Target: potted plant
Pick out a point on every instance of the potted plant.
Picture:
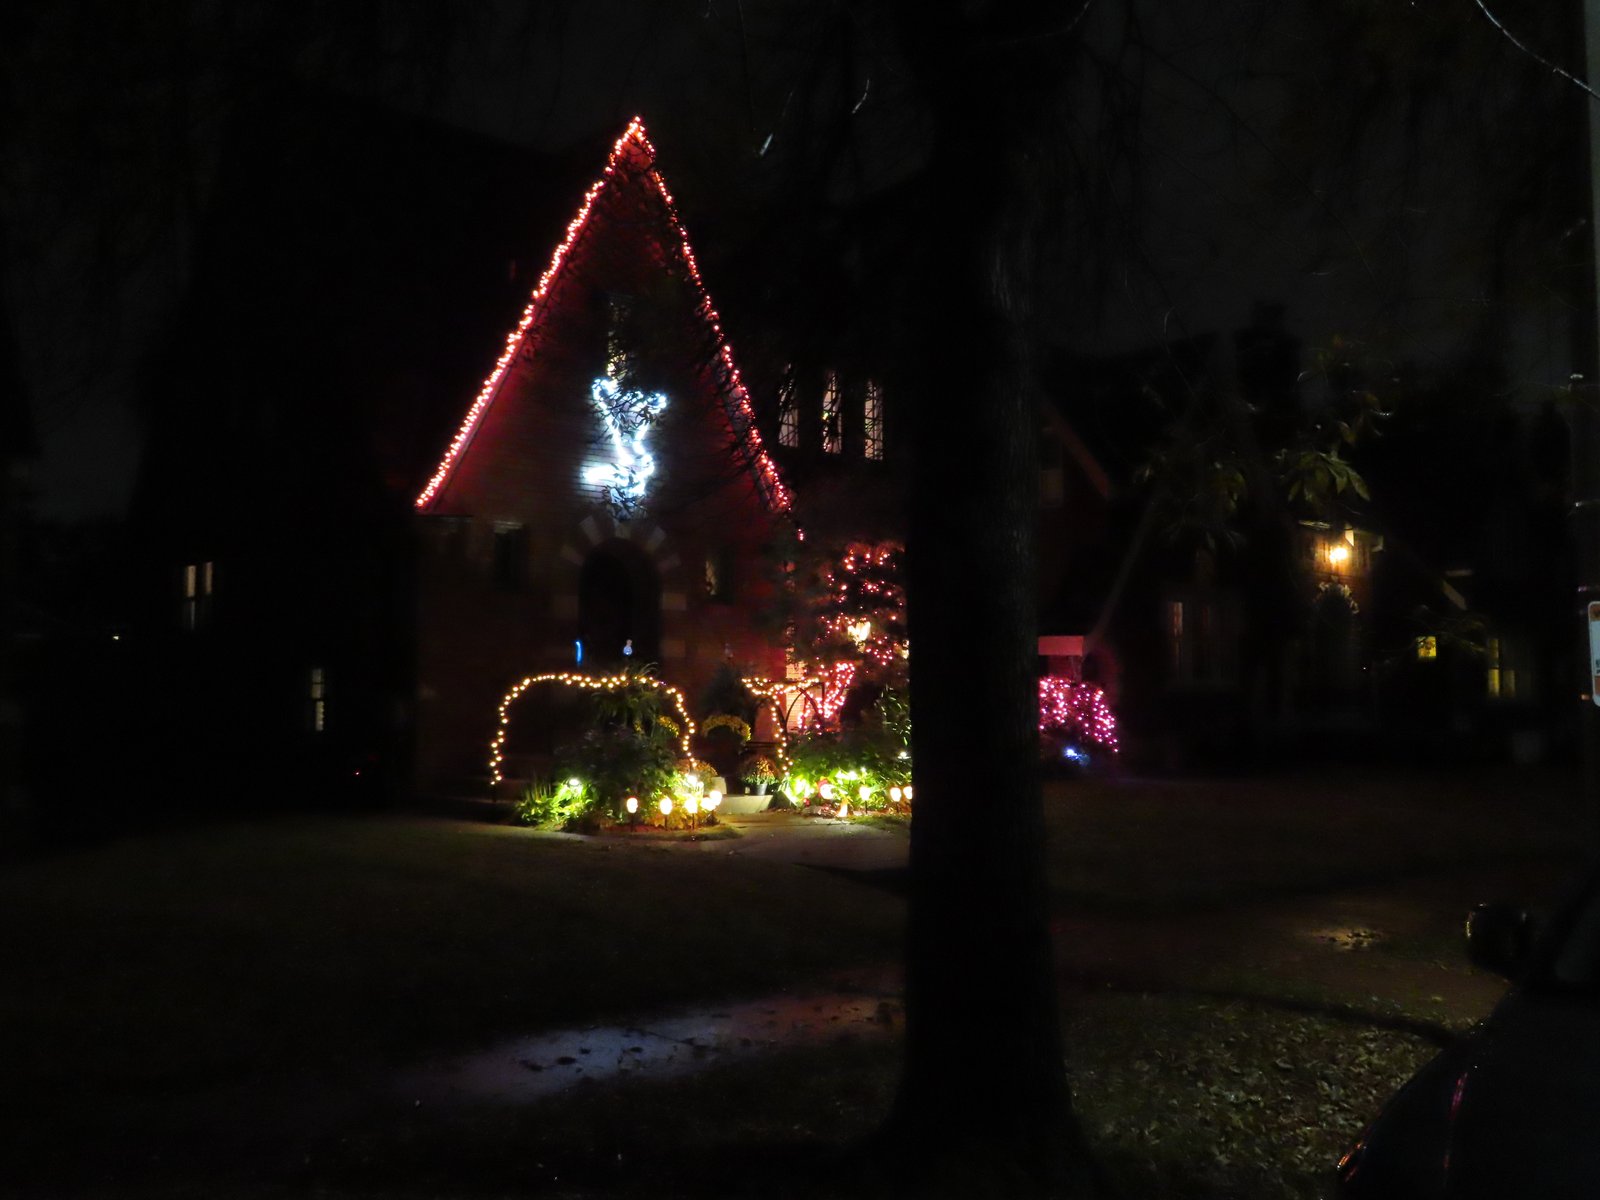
(759, 772)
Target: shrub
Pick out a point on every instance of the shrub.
(552, 805)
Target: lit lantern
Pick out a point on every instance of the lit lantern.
(632, 805)
(691, 805)
(825, 789)
(666, 806)
(907, 792)
(864, 791)
(713, 800)
(895, 793)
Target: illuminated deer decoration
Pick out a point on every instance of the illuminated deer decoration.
(628, 416)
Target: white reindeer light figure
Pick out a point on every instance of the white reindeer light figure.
(628, 416)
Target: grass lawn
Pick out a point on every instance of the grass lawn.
(254, 952)
(162, 970)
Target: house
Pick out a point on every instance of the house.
(366, 509)
(608, 495)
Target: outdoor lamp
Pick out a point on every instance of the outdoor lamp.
(691, 805)
(666, 806)
(895, 793)
(825, 790)
(713, 798)
(908, 791)
(864, 791)
(632, 805)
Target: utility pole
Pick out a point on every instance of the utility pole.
(1585, 510)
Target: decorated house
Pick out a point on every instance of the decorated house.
(366, 509)
(607, 498)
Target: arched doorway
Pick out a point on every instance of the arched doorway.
(619, 601)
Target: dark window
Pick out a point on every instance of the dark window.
(195, 580)
(832, 424)
(788, 412)
(510, 556)
(719, 575)
(872, 422)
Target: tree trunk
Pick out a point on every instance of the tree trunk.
(984, 1093)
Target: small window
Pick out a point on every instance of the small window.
(832, 433)
(510, 556)
(872, 422)
(197, 579)
(318, 711)
(719, 576)
(788, 412)
(1175, 635)
(619, 359)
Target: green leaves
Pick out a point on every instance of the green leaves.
(1319, 477)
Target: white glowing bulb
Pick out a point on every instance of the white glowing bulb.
(825, 790)
(632, 803)
(713, 798)
(665, 805)
(895, 793)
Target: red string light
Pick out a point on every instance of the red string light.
(1071, 706)
(741, 413)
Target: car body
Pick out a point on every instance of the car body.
(1513, 1110)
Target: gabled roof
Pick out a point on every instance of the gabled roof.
(632, 156)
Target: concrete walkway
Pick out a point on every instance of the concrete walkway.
(811, 841)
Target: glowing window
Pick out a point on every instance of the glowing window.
(197, 580)
(319, 700)
(832, 434)
(872, 422)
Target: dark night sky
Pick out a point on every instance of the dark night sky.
(1228, 218)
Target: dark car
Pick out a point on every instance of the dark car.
(1514, 1109)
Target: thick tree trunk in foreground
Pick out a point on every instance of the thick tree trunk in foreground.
(984, 1102)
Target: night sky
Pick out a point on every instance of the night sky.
(1377, 178)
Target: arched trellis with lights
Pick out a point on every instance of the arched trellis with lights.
(606, 683)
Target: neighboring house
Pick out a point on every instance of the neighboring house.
(1205, 650)
(365, 511)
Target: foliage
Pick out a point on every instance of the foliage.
(727, 693)
(738, 726)
(616, 761)
(845, 604)
(872, 754)
(553, 805)
(758, 769)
